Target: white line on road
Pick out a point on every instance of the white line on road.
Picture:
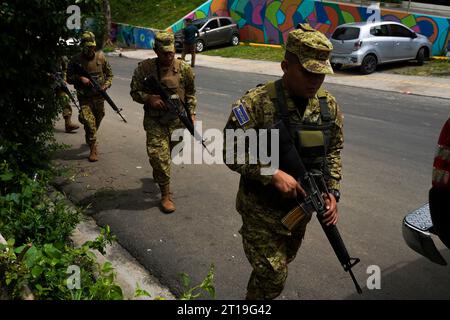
(206, 91)
(365, 118)
(122, 78)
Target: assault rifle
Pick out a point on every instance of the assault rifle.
(150, 83)
(78, 69)
(316, 189)
(61, 84)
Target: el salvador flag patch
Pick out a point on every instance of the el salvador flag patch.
(241, 114)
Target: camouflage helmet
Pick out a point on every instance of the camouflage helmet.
(88, 39)
(165, 41)
(312, 48)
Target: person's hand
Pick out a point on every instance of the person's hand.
(193, 118)
(85, 81)
(104, 87)
(156, 102)
(287, 185)
(331, 215)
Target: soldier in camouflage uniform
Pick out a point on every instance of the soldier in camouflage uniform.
(91, 101)
(178, 79)
(67, 108)
(263, 200)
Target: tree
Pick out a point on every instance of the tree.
(32, 43)
(107, 16)
(97, 18)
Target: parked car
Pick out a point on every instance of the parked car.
(369, 44)
(433, 218)
(212, 32)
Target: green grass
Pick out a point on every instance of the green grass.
(248, 52)
(157, 14)
(435, 68)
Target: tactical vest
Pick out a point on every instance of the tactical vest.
(171, 80)
(95, 68)
(312, 139)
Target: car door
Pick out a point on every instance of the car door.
(381, 41)
(212, 32)
(225, 30)
(403, 42)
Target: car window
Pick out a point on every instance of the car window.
(213, 24)
(399, 31)
(224, 22)
(346, 33)
(380, 31)
(199, 23)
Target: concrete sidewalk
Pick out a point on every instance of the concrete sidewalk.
(423, 86)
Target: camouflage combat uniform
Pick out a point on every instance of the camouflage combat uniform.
(268, 245)
(178, 79)
(91, 102)
(65, 100)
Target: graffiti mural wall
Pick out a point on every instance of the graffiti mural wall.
(269, 21)
(125, 35)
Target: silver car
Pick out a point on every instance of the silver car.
(212, 32)
(368, 44)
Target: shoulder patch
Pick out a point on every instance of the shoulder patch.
(241, 114)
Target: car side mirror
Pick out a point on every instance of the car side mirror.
(413, 35)
(207, 29)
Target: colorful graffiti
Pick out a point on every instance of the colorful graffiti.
(125, 35)
(205, 10)
(269, 21)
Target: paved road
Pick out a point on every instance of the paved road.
(389, 145)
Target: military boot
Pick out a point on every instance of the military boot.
(69, 125)
(93, 155)
(167, 204)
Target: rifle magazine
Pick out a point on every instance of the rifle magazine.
(294, 217)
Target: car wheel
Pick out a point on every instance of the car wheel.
(369, 64)
(235, 40)
(200, 46)
(336, 66)
(420, 56)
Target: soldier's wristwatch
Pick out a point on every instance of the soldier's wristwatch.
(336, 194)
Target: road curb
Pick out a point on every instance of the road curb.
(129, 272)
(252, 44)
(440, 58)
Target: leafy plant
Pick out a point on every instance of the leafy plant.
(105, 238)
(28, 213)
(139, 292)
(207, 285)
(45, 269)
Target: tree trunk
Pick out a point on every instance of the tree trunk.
(107, 26)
